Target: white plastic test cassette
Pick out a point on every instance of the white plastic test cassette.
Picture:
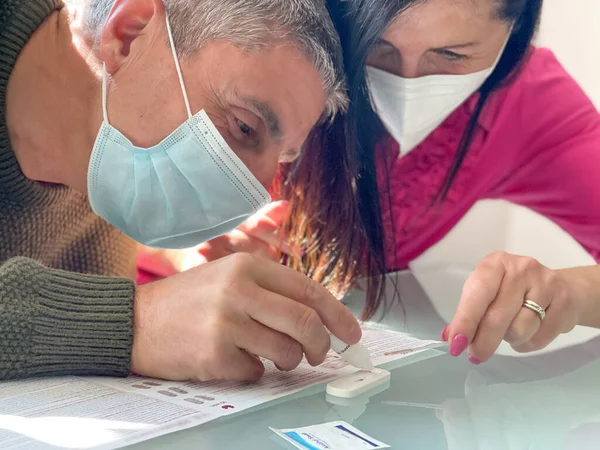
(357, 383)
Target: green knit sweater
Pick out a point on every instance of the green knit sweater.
(64, 306)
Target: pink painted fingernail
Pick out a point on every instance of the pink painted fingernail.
(459, 344)
(444, 334)
(474, 361)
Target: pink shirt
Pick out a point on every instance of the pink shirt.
(539, 147)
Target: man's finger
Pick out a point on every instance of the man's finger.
(277, 210)
(242, 366)
(294, 319)
(271, 235)
(217, 248)
(263, 341)
(293, 285)
(240, 242)
(271, 216)
(266, 225)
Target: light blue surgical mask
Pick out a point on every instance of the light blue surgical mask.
(186, 190)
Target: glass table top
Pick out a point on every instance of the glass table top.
(548, 400)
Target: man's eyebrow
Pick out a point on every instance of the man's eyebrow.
(266, 113)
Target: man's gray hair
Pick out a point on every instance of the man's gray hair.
(251, 25)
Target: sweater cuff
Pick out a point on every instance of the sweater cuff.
(84, 325)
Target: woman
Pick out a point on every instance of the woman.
(469, 110)
(466, 110)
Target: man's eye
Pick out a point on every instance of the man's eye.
(245, 129)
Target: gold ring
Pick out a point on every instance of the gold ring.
(533, 306)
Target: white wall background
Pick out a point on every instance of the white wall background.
(571, 28)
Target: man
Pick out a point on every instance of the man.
(164, 125)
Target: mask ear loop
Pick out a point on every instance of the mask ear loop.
(104, 94)
(178, 67)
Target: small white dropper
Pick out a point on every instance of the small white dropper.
(356, 355)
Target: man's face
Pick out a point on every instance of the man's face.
(264, 103)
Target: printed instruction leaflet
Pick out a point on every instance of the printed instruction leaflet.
(107, 413)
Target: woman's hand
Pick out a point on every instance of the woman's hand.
(491, 307)
(258, 236)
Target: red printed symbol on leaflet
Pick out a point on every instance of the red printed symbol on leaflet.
(224, 405)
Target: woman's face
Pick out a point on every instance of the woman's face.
(442, 37)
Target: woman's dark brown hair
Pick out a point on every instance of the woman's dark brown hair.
(333, 188)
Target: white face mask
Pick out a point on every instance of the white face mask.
(412, 108)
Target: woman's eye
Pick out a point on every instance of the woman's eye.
(451, 56)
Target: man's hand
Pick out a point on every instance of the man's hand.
(214, 321)
(260, 235)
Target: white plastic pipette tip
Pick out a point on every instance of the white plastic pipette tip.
(356, 355)
(361, 358)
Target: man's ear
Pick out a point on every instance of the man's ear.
(125, 23)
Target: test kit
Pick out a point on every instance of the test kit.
(358, 383)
